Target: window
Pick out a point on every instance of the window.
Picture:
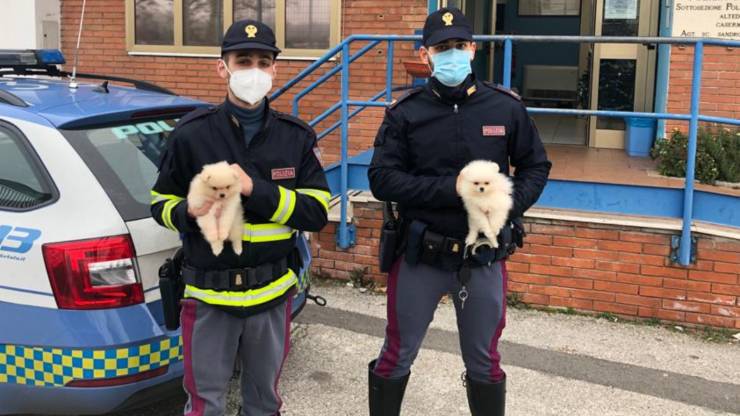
(549, 7)
(303, 28)
(154, 22)
(124, 158)
(202, 21)
(24, 184)
(307, 24)
(262, 10)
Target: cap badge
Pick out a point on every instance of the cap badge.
(447, 18)
(251, 31)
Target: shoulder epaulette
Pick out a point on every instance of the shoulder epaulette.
(408, 94)
(196, 114)
(294, 120)
(500, 88)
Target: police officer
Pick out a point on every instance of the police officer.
(241, 304)
(426, 138)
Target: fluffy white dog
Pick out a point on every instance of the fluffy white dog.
(224, 221)
(486, 194)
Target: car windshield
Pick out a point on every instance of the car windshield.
(124, 157)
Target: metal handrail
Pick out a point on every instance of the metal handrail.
(339, 123)
(328, 75)
(343, 48)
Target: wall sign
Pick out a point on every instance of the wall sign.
(620, 9)
(707, 19)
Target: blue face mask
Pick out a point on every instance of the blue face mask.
(451, 66)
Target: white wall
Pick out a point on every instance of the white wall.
(17, 24)
(21, 24)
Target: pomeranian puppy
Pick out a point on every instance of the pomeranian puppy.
(486, 194)
(219, 183)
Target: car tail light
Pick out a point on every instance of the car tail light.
(93, 274)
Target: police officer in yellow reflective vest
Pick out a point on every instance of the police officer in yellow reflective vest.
(241, 304)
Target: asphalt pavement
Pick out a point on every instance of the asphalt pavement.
(556, 364)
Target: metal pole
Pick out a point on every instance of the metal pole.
(507, 63)
(310, 21)
(389, 73)
(688, 195)
(343, 232)
(664, 63)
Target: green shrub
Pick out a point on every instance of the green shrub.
(717, 155)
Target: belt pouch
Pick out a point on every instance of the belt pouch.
(431, 249)
(414, 242)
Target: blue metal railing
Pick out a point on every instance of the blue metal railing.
(345, 102)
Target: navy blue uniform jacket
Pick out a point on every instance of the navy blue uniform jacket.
(431, 133)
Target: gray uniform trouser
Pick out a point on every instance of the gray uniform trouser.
(413, 295)
(211, 340)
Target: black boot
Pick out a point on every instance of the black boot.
(385, 394)
(486, 399)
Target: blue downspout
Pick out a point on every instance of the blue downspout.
(507, 63)
(664, 64)
(389, 73)
(433, 5)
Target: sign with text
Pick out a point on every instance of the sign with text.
(620, 9)
(707, 19)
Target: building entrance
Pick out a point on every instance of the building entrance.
(568, 75)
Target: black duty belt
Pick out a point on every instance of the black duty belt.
(451, 253)
(235, 279)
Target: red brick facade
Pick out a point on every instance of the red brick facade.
(720, 85)
(587, 267)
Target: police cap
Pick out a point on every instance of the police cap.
(249, 34)
(446, 23)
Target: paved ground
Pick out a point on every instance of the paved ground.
(556, 364)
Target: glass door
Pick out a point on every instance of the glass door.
(623, 75)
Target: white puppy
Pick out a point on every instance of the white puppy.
(487, 197)
(219, 183)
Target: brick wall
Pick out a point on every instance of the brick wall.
(103, 50)
(588, 267)
(336, 263)
(720, 86)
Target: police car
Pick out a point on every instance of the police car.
(81, 323)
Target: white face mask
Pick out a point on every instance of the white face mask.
(250, 85)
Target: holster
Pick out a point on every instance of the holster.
(449, 254)
(509, 238)
(171, 287)
(390, 238)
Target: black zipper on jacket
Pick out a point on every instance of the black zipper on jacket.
(459, 139)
